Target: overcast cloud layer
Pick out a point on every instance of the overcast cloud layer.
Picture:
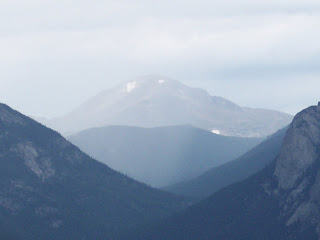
(56, 54)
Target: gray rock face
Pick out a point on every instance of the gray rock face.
(300, 205)
(298, 172)
(41, 166)
(300, 148)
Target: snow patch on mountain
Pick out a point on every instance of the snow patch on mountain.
(131, 86)
(215, 131)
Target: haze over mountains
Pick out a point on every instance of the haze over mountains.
(280, 202)
(49, 189)
(161, 156)
(154, 101)
(231, 172)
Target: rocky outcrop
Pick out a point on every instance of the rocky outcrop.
(298, 172)
(39, 165)
(300, 149)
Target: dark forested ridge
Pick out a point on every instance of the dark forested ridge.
(49, 189)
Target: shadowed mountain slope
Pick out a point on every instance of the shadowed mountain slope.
(49, 189)
(161, 156)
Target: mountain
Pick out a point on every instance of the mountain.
(233, 171)
(154, 101)
(280, 202)
(160, 156)
(49, 189)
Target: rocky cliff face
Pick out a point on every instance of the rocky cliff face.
(298, 172)
(300, 149)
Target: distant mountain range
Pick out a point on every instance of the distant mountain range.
(233, 171)
(163, 155)
(280, 202)
(154, 101)
(49, 189)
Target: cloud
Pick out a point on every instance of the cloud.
(91, 45)
(224, 42)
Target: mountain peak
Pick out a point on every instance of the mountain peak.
(4, 107)
(154, 78)
(10, 116)
(156, 100)
(152, 81)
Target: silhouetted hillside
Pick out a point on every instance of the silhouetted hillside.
(49, 189)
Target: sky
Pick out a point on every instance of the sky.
(56, 54)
